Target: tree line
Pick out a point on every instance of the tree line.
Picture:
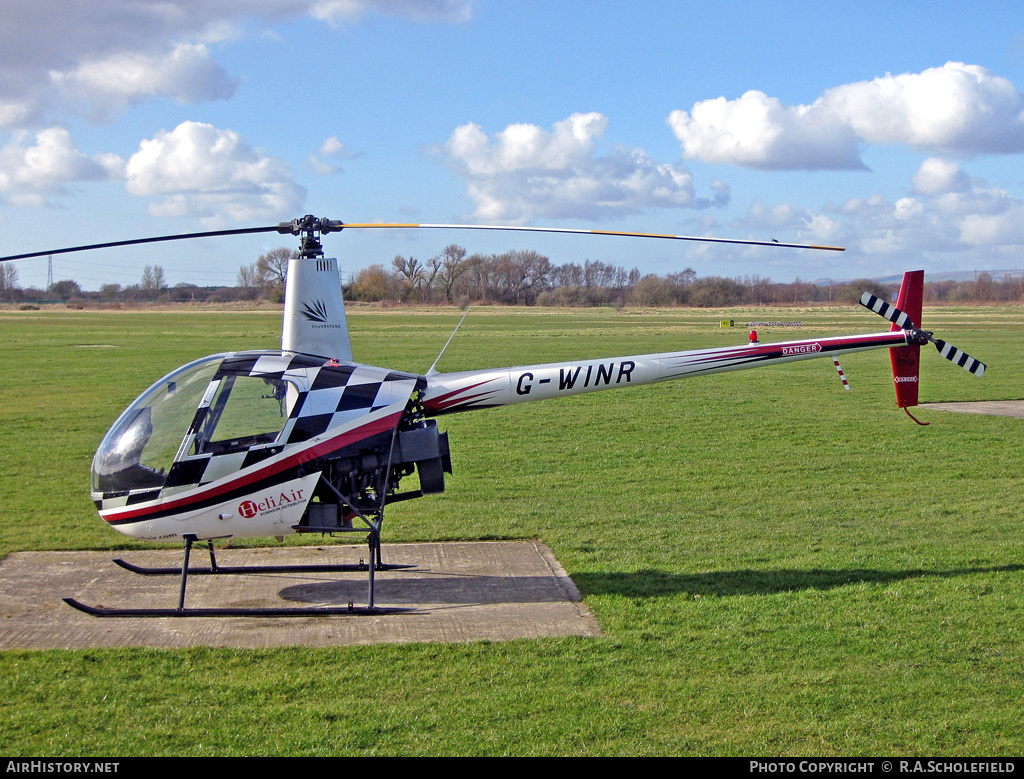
(518, 277)
(525, 277)
(152, 287)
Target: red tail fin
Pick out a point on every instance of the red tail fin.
(906, 360)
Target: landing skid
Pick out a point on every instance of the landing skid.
(287, 611)
(242, 569)
(299, 611)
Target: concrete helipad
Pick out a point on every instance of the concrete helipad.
(1002, 408)
(453, 592)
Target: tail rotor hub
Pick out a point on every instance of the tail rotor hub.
(917, 337)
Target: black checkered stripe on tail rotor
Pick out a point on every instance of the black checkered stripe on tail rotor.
(958, 357)
(880, 307)
(900, 318)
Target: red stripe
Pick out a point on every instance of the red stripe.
(345, 439)
(826, 344)
(441, 402)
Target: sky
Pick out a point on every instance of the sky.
(893, 129)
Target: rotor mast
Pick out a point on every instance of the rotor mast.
(314, 307)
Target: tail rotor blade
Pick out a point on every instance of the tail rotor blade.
(906, 359)
(883, 309)
(958, 357)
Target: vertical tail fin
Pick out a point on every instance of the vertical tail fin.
(314, 310)
(906, 360)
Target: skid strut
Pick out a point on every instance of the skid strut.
(375, 564)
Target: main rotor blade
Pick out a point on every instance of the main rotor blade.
(882, 308)
(297, 226)
(626, 234)
(958, 357)
(134, 241)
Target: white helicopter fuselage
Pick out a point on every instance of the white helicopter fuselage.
(304, 439)
(261, 483)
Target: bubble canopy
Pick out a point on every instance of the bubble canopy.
(140, 448)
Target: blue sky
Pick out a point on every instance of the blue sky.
(894, 129)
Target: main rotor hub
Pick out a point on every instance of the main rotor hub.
(309, 228)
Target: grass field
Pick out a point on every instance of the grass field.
(780, 567)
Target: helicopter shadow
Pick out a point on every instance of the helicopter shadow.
(407, 588)
(654, 584)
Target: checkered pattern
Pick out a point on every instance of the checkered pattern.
(330, 397)
(341, 395)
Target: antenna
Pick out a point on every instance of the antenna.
(49, 274)
(433, 368)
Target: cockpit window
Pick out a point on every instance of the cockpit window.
(139, 450)
(245, 411)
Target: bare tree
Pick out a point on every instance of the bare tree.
(110, 291)
(8, 278)
(479, 275)
(651, 290)
(568, 275)
(429, 275)
(153, 280)
(272, 268)
(683, 278)
(412, 271)
(521, 274)
(65, 289)
(248, 280)
(453, 265)
(760, 290)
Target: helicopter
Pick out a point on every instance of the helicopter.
(306, 440)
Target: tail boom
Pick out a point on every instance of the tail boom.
(449, 393)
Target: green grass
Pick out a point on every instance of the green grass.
(780, 567)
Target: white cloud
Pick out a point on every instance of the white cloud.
(937, 176)
(797, 221)
(937, 220)
(33, 167)
(956, 109)
(200, 170)
(907, 208)
(415, 10)
(780, 217)
(999, 229)
(187, 74)
(951, 221)
(332, 147)
(102, 55)
(527, 172)
(758, 131)
(331, 152)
